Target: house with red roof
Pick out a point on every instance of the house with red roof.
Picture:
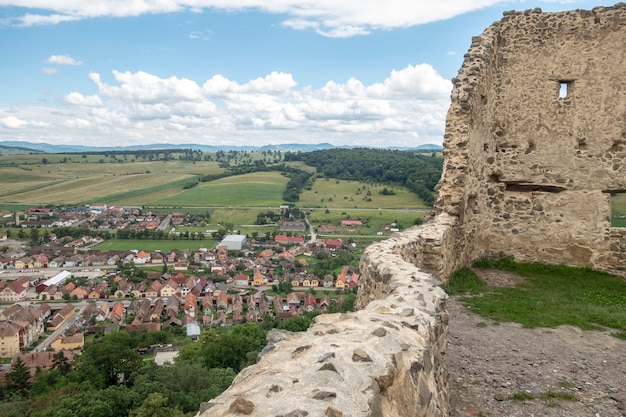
(117, 313)
(142, 257)
(13, 292)
(241, 280)
(333, 244)
(258, 279)
(154, 289)
(353, 281)
(310, 302)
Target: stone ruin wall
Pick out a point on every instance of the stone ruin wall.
(528, 173)
(384, 360)
(525, 173)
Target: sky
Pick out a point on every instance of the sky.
(372, 73)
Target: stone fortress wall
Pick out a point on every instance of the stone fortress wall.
(530, 173)
(526, 172)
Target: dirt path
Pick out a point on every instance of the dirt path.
(490, 363)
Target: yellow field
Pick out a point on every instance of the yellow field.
(26, 179)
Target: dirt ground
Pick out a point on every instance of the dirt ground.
(507, 370)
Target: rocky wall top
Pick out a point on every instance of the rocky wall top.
(384, 360)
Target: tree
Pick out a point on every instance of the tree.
(154, 406)
(234, 348)
(186, 383)
(285, 286)
(60, 362)
(34, 237)
(18, 379)
(219, 234)
(111, 359)
(298, 323)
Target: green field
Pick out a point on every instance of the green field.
(234, 202)
(134, 180)
(331, 193)
(259, 189)
(372, 220)
(152, 245)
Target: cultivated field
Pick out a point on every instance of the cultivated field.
(234, 202)
(72, 179)
(331, 193)
(259, 189)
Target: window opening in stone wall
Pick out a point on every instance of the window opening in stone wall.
(618, 209)
(564, 89)
(530, 188)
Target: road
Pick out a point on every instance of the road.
(165, 223)
(43, 346)
(311, 230)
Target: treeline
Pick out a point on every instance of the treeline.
(418, 172)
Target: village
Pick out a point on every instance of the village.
(57, 292)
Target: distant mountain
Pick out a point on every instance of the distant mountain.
(31, 147)
(12, 150)
(430, 146)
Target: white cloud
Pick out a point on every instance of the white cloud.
(421, 80)
(148, 88)
(200, 34)
(12, 122)
(276, 83)
(63, 60)
(38, 20)
(405, 109)
(76, 123)
(49, 71)
(40, 124)
(345, 31)
(328, 17)
(81, 100)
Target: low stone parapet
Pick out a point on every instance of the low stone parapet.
(383, 360)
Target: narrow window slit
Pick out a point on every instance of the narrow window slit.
(564, 89)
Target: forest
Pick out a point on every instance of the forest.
(419, 172)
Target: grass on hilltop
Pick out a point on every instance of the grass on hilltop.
(549, 296)
(334, 193)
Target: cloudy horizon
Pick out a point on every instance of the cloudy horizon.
(245, 72)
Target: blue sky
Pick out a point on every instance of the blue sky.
(236, 72)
